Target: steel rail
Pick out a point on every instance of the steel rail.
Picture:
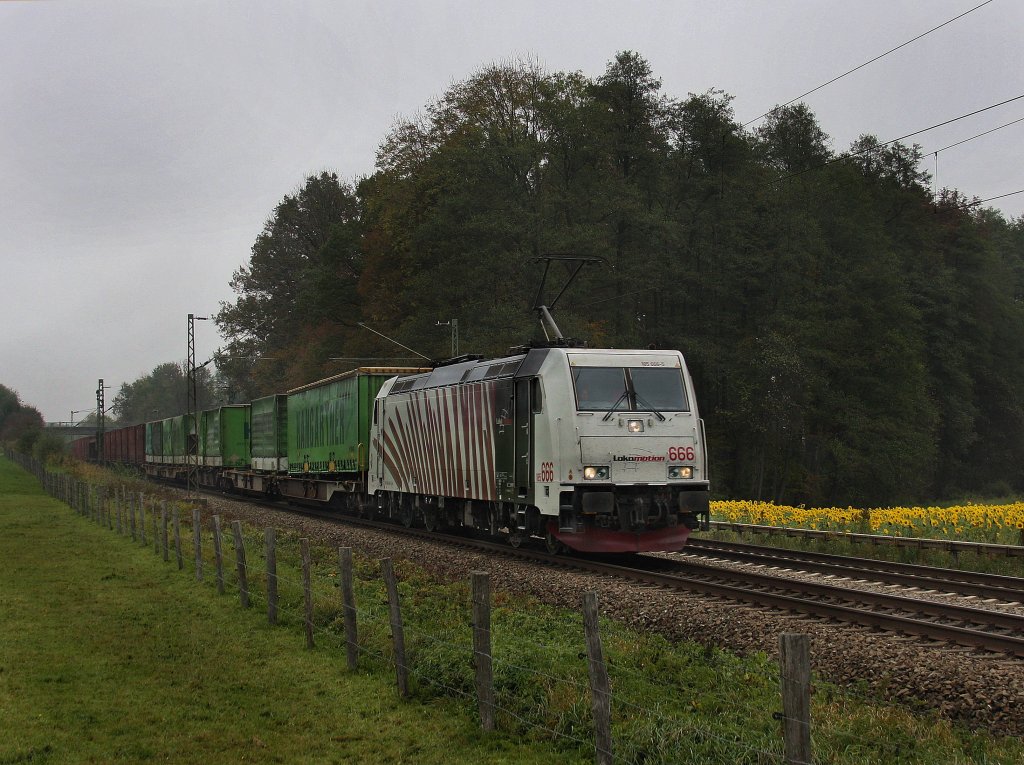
(1007, 588)
(965, 614)
(920, 543)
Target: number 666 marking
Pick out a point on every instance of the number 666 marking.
(681, 453)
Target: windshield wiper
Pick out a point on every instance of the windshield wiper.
(640, 400)
(617, 402)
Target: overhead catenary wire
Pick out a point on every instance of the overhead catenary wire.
(866, 63)
(936, 152)
(979, 135)
(841, 157)
(977, 202)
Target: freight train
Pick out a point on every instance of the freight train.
(591, 450)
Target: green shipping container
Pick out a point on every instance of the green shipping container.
(154, 441)
(270, 433)
(224, 436)
(329, 421)
(166, 440)
(180, 426)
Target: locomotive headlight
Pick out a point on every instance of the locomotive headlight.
(595, 472)
(678, 471)
(635, 426)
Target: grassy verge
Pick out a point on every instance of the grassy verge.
(107, 654)
(163, 668)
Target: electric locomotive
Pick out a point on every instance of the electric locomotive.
(594, 450)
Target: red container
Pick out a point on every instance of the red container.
(125, 446)
(84, 448)
(136, 446)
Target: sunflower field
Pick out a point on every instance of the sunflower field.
(997, 524)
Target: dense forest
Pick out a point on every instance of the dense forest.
(853, 338)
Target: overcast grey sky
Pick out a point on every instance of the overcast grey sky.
(144, 144)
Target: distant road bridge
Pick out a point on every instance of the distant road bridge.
(70, 431)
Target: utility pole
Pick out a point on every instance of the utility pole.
(100, 408)
(191, 431)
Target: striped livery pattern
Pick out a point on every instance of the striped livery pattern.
(440, 441)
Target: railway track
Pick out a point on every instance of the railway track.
(974, 628)
(876, 540)
(927, 578)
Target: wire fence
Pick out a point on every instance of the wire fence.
(538, 683)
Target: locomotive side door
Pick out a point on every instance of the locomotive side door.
(524, 438)
(377, 441)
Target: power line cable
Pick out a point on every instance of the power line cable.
(895, 140)
(935, 153)
(979, 135)
(861, 66)
(992, 199)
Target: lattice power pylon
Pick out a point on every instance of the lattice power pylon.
(191, 429)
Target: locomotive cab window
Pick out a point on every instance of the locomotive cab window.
(659, 388)
(599, 388)
(629, 389)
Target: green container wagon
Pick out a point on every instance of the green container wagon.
(270, 433)
(224, 436)
(329, 421)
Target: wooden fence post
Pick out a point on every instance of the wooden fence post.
(795, 671)
(197, 542)
(218, 554)
(163, 525)
(271, 541)
(600, 692)
(131, 518)
(156, 536)
(177, 539)
(397, 632)
(243, 578)
(307, 591)
(482, 647)
(348, 600)
(142, 515)
(120, 498)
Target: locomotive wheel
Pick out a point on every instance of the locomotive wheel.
(405, 515)
(430, 520)
(516, 537)
(551, 543)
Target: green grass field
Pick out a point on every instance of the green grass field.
(107, 654)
